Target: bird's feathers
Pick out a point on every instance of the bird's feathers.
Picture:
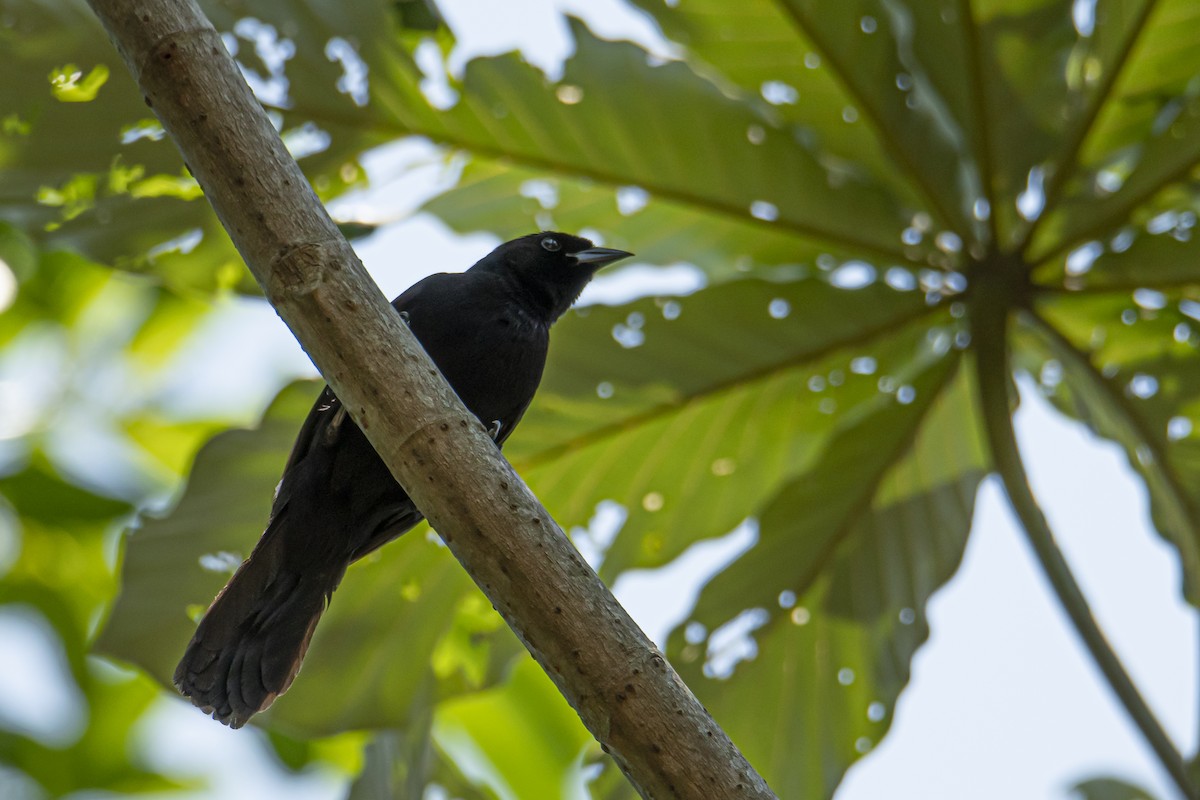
(487, 329)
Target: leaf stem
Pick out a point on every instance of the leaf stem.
(840, 68)
(1068, 164)
(979, 96)
(994, 296)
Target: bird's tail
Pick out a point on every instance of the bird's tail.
(249, 646)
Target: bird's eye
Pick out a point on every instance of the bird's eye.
(551, 244)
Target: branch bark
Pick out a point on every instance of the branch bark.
(625, 692)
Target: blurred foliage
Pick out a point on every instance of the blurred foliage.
(1110, 789)
(84, 349)
(839, 171)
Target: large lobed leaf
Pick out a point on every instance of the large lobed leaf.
(763, 392)
(762, 177)
(392, 611)
(832, 596)
(1143, 118)
(856, 77)
(1137, 383)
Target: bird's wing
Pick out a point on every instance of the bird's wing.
(327, 414)
(406, 300)
(323, 420)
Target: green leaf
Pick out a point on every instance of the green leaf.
(621, 424)
(56, 288)
(1135, 258)
(1142, 134)
(217, 522)
(611, 784)
(225, 505)
(92, 177)
(403, 765)
(799, 141)
(38, 494)
(1137, 384)
(832, 595)
(492, 195)
(70, 85)
(63, 575)
(344, 751)
(1109, 789)
(883, 87)
(509, 117)
(172, 318)
(17, 251)
(418, 14)
(530, 742)
(100, 758)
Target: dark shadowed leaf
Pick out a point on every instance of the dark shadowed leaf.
(176, 565)
(37, 494)
(1109, 789)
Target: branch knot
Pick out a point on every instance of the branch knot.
(300, 269)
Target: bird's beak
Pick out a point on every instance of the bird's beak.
(597, 257)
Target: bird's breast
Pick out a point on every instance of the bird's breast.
(493, 361)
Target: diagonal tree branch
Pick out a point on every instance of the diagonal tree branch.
(626, 693)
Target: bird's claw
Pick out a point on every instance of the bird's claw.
(494, 430)
(404, 317)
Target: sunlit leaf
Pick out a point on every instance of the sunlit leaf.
(1139, 384)
(102, 192)
(523, 731)
(770, 181)
(71, 85)
(765, 391)
(828, 606)
(1143, 128)
(883, 88)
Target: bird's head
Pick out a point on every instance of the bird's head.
(551, 267)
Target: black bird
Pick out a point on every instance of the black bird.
(488, 330)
